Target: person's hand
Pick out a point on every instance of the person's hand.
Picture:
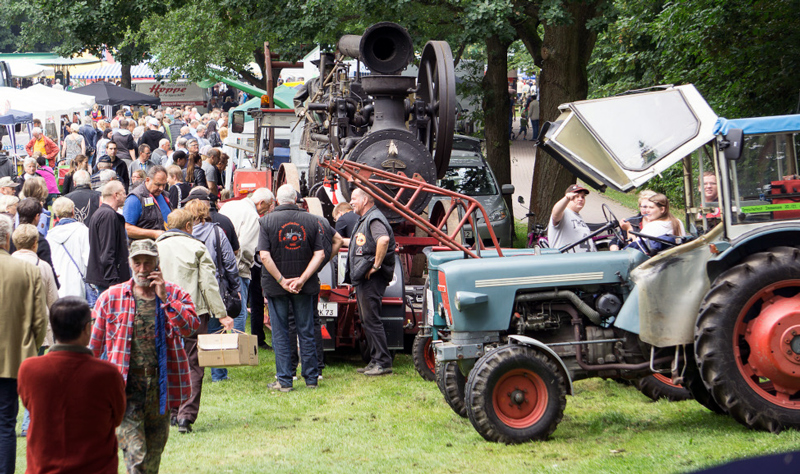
(286, 284)
(227, 323)
(296, 284)
(625, 225)
(571, 196)
(157, 283)
(371, 272)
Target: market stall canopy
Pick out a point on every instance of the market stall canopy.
(14, 117)
(26, 68)
(106, 93)
(64, 99)
(114, 71)
(43, 108)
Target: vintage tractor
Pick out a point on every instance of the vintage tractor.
(719, 312)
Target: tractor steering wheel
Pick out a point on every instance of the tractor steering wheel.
(612, 219)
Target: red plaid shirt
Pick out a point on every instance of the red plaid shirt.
(114, 313)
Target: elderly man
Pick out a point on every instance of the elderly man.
(108, 246)
(186, 259)
(146, 209)
(78, 400)
(244, 215)
(291, 250)
(86, 200)
(43, 145)
(7, 186)
(566, 225)
(143, 162)
(24, 324)
(161, 154)
(370, 267)
(69, 241)
(139, 325)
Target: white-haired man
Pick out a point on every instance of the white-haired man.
(43, 145)
(161, 154)
(69, 243)
(291, 250)
(244, 215)
(86, 200)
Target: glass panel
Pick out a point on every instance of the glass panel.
(641, 129)
(764, 180)
(468, 180)
(579, 141)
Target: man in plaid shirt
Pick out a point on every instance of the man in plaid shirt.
(139, 325)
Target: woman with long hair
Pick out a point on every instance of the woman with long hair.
(81, 162)
(194, 171)
(659, 222)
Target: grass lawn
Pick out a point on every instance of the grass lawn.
(400, 423)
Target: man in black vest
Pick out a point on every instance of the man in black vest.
(291, 250)
(86, 200)
(146, 209)
(370, 266)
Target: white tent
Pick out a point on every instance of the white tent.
(28, 68)
(62, 99)
(46, 105)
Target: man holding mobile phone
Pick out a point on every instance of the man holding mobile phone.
(139, 325)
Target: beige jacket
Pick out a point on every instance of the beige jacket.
(23, 321)
(185, 261)
(49, 280)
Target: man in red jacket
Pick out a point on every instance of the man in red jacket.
(44, 145)
(76, 401)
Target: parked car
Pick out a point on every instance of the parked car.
(470, 174)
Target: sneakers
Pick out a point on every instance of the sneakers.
(277, 386)
(378, 370)
(364, 370)
(184, 426)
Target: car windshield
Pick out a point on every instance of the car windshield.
(468, 180)
(466, 144)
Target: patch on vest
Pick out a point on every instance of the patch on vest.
(361, 239)
(291, 235)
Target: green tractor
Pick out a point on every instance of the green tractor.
(717, 311)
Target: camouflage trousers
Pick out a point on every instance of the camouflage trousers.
(143, 432)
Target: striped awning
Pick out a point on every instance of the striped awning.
(114, 71)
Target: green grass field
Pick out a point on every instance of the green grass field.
(400, 423)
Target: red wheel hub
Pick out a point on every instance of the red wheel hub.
(772, 367)
(666, 380)
(430, 357)
(520, 398)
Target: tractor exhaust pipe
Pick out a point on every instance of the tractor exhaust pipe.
(385, 47)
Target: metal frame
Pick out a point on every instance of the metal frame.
(367, 179)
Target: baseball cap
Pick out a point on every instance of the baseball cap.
(144, 247)
(7, 182)
(104, 159)
(196, 194)
(152, 121)
(576, 188)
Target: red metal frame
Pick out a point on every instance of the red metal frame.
(367, 179)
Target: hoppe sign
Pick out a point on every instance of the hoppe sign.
(174, 93)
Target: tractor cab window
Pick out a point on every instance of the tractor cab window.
(764, 182)
(468, 180)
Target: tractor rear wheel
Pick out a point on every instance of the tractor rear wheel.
(451, 382)
(747, 340)
(424, 358)
(515, 394)
(658, 386)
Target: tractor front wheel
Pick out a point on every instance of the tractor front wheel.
(424, 358)
(747, 340)
(515, 394)
(451, 382)
(658, 386)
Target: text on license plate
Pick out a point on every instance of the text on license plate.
(327, 309)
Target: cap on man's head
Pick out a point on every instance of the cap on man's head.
(152, 122)
(144, 247)
(576, 188)
(196, 193)
(104, 159)
(7, 182)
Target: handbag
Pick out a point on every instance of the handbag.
(233, 303)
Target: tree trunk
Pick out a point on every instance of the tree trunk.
(125, 73)
(565, 54)
(497, 110)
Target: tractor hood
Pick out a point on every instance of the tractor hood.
(623, 141)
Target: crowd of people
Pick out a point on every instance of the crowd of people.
(114, 275)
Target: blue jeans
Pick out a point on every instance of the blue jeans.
(92, 293)
(9, 408)
(303, 308)
(218, 374)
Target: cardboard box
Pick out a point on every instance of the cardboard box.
(227, 350)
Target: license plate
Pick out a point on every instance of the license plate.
(327, 309)
(467, 234)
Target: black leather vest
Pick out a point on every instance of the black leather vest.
(151, 217)
(361, 255)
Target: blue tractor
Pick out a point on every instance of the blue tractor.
(717, 311)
